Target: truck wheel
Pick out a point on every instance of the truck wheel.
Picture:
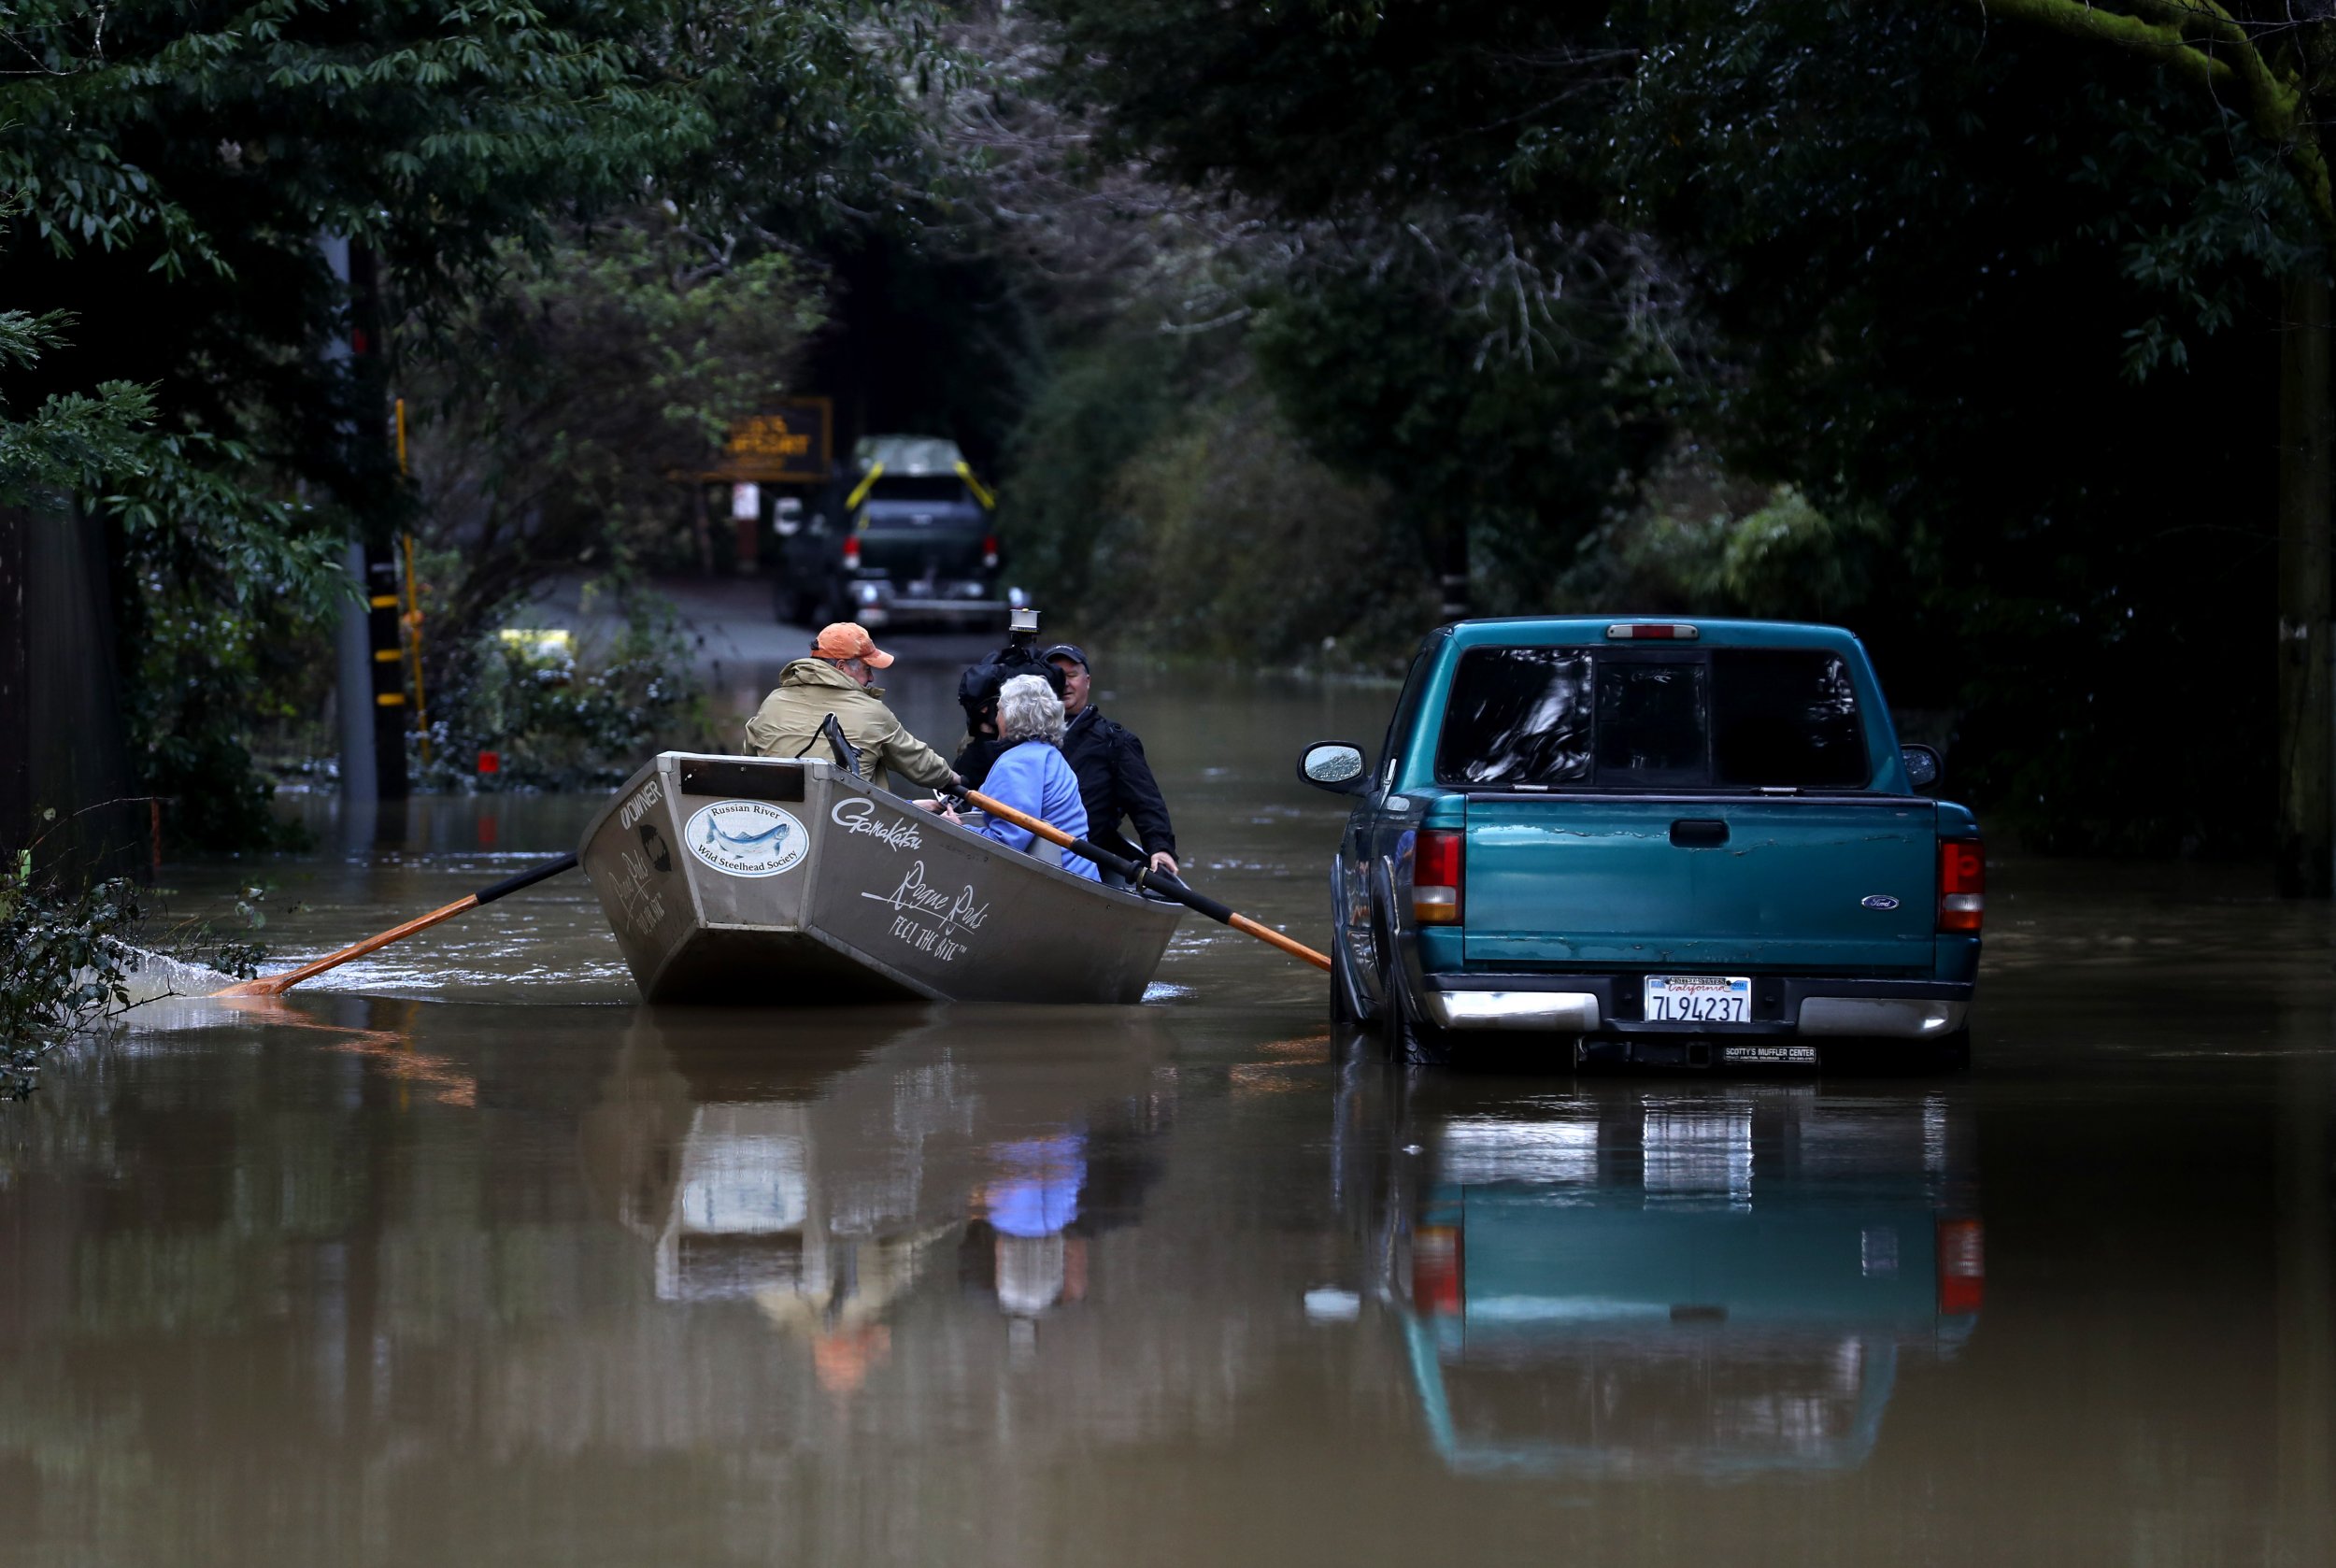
(1342, 1006)
(1409, 1040)
(1348, 1008)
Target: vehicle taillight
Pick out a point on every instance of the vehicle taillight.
(1962, 1267)
(1962, 885)
(1435, 878)
(989, 550)
(1653, 631)
(1435, 1270)
(851, 551)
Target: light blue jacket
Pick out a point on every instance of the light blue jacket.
(1034, 779)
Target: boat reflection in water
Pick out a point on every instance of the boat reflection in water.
(823, 1186)
(1627, 1281)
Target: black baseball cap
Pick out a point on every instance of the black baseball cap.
(1066, 650)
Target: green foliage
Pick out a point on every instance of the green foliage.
(1521, 449)
(1932, 258)
(1704, 544)
(568, 716)
(173, 168)
(1973, 323)
(1226, 539)
(61, 964)
(1097, 407)
(554, 422)
(1448, 315)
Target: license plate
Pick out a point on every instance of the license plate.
(1698, 999)
(1769, 1056)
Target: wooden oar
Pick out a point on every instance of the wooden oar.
(1144, 875)
(276, 985)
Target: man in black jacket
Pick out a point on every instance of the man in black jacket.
(1114, 780)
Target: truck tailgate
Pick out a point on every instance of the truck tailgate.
(1792, 883)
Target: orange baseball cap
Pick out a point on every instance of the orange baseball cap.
(848, 639)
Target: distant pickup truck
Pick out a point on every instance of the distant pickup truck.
(906, 536)
(1671, 843)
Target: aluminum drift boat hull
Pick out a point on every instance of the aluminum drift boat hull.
(776, 882)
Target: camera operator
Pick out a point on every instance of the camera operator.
(1115, 779)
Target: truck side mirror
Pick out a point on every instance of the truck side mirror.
(1335, 766)
(1923, 767)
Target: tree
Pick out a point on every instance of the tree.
(1954, 285)
(2278, 68)
(1443, 308)
(552, 425)
(1965, 282)
(175, 166)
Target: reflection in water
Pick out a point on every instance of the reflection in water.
(1623, 1280)
(828, 1192)
(391, 1283)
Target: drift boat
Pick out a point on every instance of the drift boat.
(787, 881)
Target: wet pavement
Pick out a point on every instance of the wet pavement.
(467, 1257)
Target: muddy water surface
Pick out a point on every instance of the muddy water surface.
(467, 1257)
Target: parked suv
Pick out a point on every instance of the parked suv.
(1674, 843)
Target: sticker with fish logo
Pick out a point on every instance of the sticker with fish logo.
(747, 839)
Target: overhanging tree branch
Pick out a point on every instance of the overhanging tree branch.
(2163, 42)
(2201, 41)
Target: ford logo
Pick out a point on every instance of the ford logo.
(1878, 900)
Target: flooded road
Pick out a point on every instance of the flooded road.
(467, 1257)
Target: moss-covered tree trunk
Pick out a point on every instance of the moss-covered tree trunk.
(2307, 694)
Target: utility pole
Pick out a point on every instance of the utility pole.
(16, 685)
(370, 656)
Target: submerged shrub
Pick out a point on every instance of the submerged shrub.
(62, 965)
(563, 715)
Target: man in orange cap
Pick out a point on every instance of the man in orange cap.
(834, 679)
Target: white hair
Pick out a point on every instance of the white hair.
(1028, 709)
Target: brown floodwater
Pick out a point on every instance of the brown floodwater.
(465, 1256)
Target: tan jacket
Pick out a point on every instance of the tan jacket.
(788, 725)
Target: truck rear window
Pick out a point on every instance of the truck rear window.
(1729, 717)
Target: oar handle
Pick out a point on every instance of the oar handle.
(1173, 887)
(527, 878)
(276, 985)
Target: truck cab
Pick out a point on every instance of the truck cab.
(1662, 842)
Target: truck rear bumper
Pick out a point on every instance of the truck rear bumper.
(878, 601)
(1783, 1004)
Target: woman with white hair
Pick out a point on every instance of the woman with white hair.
(1031, 776)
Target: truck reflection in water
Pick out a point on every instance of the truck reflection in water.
(1624, 1282)
(824, 1187)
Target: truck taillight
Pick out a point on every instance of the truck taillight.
(1435, 878)
(989, 550)
(851, 551)
(1962, 1267)
(1962, 885)
(1435, 1270)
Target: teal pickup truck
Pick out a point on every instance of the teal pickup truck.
(1670, 843)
